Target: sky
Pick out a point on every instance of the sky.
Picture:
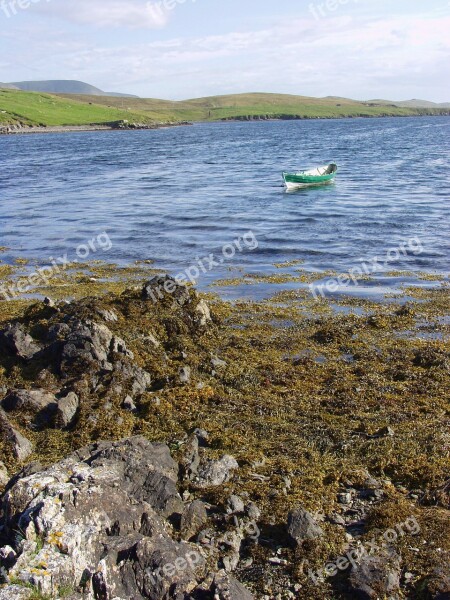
(179, 49)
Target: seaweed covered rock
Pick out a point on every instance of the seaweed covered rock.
(99, 523)
(226, 587)
(439, 583)
(376, 576)
(38, 404)
(164, 286)
(97, 520)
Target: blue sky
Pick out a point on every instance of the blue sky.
(395, 49)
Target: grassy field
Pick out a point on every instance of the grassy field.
(30, 108)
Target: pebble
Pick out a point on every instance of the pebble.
(345, 498)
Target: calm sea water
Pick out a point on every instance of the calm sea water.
(176, 195)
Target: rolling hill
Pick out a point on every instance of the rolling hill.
(35, 109)
(414, 103)
(43, 109)
(63, 86)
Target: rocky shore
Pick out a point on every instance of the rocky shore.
(155, 445)
(19, 129)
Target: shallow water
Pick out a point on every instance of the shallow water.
(177, 195)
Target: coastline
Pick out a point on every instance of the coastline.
(27, 130)
(303, 418)
(121, 126)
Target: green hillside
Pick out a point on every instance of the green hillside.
(31, 108)
(216, 108)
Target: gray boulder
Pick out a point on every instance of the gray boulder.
(376, 576)
(4, 477)
(15, 341)
(96, 520)
(15, 592)
(39, 404)
(190, 458)
(20, 447)
(88, 345)
(193, 519)
(226, 587)
(66, 411)
(302, 526)
(128, 404)
(439, 583)
(212, 473)
(164, 286)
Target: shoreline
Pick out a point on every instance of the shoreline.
(26, 130)
(301, 415)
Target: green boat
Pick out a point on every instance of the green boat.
(318, 176)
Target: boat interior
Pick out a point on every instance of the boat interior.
(320, 171)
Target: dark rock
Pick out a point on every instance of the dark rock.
(190, 459)
(217, 363)
(193, 519)
(253, 512)
(160, 287)
(8, 557)
(226, 587)
(376, 576)
(49, 302)
(108, 315)
(41, 404)
(337, 519)
(345, 498)
(20, 447)
(202, 436)
(101, 511)
(302, 526)
(15, 341)
(58, 331)
(385, 432)
(133, 377)
(439, 583)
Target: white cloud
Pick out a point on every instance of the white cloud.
(133, 14)
(397, 57)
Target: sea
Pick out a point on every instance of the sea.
(207, 201)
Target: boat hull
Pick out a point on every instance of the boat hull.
(295, 186)
(310, 178)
